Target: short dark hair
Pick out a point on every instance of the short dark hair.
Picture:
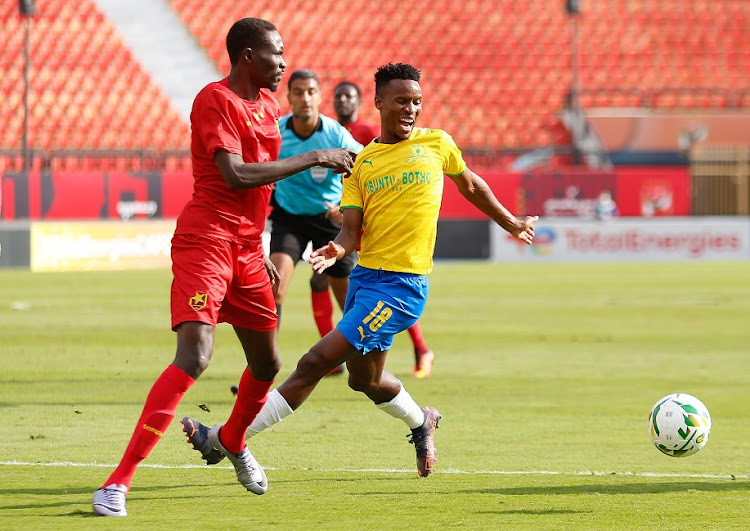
(247, 33)
(389, 72)
(302, 74)
(349, 84)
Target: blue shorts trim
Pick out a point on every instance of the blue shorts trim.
(379, 305)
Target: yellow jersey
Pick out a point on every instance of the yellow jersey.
(399, 188)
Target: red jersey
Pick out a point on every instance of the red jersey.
(363, 132)
(220, 119)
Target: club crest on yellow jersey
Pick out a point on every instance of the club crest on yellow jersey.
(418, 154)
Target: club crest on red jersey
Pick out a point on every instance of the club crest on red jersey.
(198, 301)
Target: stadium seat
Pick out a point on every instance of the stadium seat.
(671, 54)
(73, 49)
(625, 45)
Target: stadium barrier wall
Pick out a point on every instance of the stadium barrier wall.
(112, 195)
(627, 240)
(119, 220)
(112, 245)
(92, 195)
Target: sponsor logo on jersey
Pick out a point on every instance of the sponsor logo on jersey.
(260, 114)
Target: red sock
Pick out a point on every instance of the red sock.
(322, 311)
(251, 396)
(415, 331)
(158, 412)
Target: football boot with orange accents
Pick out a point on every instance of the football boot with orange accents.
(423, 439)
(197, 435)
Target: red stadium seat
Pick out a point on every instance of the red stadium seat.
(73, 49)
(671, 54)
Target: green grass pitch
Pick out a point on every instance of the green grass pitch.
(544, 374)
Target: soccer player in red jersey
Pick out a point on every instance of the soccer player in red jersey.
(221, 273)
(347, 99)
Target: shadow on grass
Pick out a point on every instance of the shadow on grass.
(620, 489)
(564, 490)
(85, 494)
(591, 488)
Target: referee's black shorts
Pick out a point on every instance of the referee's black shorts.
(291, 233)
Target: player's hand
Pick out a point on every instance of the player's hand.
(273, 274)
(340, 160)
(323, 258)
(525, 232)
(334, 214)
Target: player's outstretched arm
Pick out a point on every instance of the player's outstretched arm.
(346, 241)
(479, 194)
(239, 175)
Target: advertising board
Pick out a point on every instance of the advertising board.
(628, 239)
(101, 245)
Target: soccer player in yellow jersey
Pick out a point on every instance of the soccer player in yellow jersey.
(393, 199)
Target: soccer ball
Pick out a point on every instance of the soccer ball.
(679, 425)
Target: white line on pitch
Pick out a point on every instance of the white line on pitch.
(410, 471)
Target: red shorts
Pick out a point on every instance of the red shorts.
(218, 281)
